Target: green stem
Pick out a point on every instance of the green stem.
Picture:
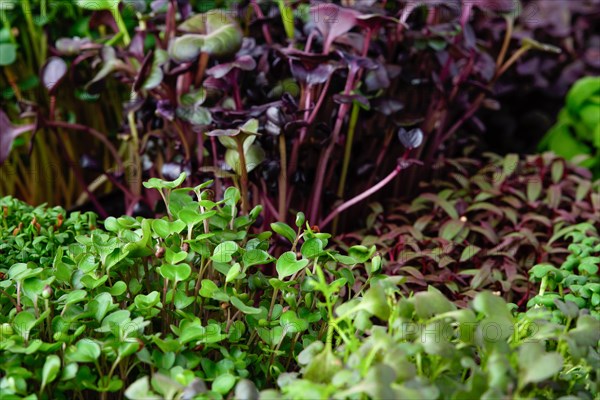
(287, 18)
(293, 345)
(348, 148)
(282, 178)
(347, 154)
(136, 175)
(244, 176)
(121, 24)
(543, 285)
(28, 12)
(112, 368)
(275, 291)
(506, 43)
(518, 54)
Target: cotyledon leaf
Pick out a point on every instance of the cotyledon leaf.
(214, 33)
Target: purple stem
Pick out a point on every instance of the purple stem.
(363, 195)
(268, 202)
(265, 27)
(326, 154)
(91, 131)
(309, 117)
(315, 110)
(236, 89)
(101, 211)
(296, 148)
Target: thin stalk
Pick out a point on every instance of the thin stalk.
(19, 309)
(121, 24)
(79, 177)
(296, 148)
(202, 63)
(101, 137)
(12, 81)
(361, 196)
(28, 12)
(244, 176)
(347, 154)
(382, 152)
(272, 359)
(282, 177)
(237, 96)
(136, 173)
(273, 298)
(511, 61)
(506, 43)
(289, 360)
(184, 143)
(164, 302)
(267, 201)
(348, 149)
(319, 103)
(287, 24)
(326, 154)
(213, 145)
(477, 103)
(9, 297)
(265, 27)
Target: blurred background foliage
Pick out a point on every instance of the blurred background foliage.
(69, 71)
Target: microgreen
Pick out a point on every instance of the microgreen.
(144, 298)
(485, 224)
(284, 107)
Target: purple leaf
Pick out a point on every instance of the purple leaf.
(486, 66)
(374, 21)
(314, 76)
(410, 139)
(103, 17)
(245, 63)
(213, 84)
(411, 5)
(223, 132)
(332, 21)
(8, 133)
(144, 71)
(53, 72)
(498, 6)
(185, 8)
(157, 5)
(165, 109)
(388, 106)
(495, 6)
(377, 79)
(136, 47)
(353, 40)
(351, 98)
(358, 62)
(73, 46)
(592, 57)
(309, 60)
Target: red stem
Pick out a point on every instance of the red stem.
(362, 196)
(265, 27)
(101, 211)
(326, 154)
(91, 131)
